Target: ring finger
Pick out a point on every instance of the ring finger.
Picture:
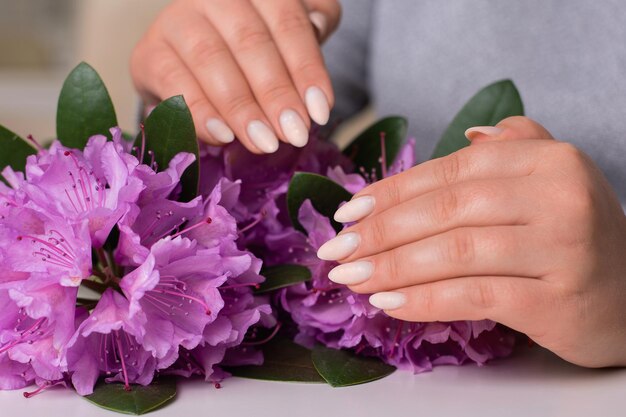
(467, 251)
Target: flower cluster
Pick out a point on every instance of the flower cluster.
(323, 311)
(173, 291)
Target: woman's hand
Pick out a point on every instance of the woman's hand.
(518, 228)
(247, 68)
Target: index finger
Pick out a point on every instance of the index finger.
(481, 161)
(295, 38)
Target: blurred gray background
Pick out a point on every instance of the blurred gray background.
(42, 40)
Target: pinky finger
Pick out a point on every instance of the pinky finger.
(513, 301)
(172, 78)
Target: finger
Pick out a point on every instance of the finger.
(170, 78)
(466, 251)
(475, 203)
(208, 57)
(513, 301)
(294, 36)
(487, 160)
(324, 15)
(255, 51)
(511, 128)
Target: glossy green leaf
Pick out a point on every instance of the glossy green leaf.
(282, 276)
(284, 360)
(170, 130)
(493, 103)
(14, 150)
(85, 108)
(139, 400)
(365, 151)
(342, 368)
(325, 195)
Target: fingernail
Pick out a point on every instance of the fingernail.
(320, 22)
(340, 247)
(219, 131)
(473, 132)
(351, 273)
(317, 105)
(262, 136)
(388, 300)
(293, 128)
(355, 209)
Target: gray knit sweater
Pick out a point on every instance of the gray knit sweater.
(425, 58)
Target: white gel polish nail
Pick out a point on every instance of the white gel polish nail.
(388, 300)
(351, 273)
(293, 128)
(219, 131)
(355, 209)
(262, 136)
(340, 247)
(317, 105)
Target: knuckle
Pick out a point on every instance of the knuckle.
(481, 295)
(310, 67)
(392, 192)
(449, 169)
(377, 231)
(445, 206)
(237, 104)
(460, 248)
(290, 22)
(248, 37)
(206, 50)
(276, 92)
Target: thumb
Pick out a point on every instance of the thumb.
(511, 128)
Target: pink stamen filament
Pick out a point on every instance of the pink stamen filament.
(383, 155)
(208, 220)
(230, 287)
(34, 142)
(121, 358)
(253, 223)
(143, 142)
(267, 339)
(48, 245)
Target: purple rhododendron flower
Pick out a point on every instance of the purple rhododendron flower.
(175, 292)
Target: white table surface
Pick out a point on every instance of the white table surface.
(532, 383)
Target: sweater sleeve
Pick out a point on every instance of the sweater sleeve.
(346, 54)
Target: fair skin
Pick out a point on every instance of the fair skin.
(518, 227)
(250, 69)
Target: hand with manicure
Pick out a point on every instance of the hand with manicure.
(250, 69)
(518, 228)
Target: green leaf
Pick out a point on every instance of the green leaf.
(342, 368)
(140, 400)
(284, 360)
(170, 130)
(325, 195)
(85, 108)
(365, 150)
(493, 103)
(281, 276)
(14, 150)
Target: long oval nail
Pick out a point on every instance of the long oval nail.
(320, 22)
(340, 247)
(388, 300)
(355, 209)
(262, 136)
(293, 128)
(219, 131)
(473, 132)
(351, 273)
(317, 105)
